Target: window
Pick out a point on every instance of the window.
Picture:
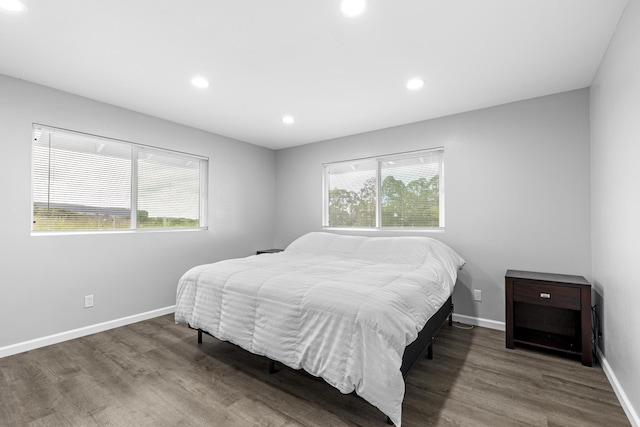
(83, 182)
(397, 191)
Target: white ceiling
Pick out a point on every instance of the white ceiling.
(336, 75)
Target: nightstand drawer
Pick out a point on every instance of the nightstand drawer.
(547, 295)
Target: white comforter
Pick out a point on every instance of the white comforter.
(340, 307)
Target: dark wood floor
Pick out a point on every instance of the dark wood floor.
(153, 373)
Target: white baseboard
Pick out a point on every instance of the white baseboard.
(478, 321)
(81, 332)
(631, 412)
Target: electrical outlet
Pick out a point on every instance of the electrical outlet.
(477, 294)
(88, 301)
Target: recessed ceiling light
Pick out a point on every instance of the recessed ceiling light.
(353, 7)
(200, 82)
(13, 5)
(414, 84)
(288, 120)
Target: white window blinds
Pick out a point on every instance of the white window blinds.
(168, 190)
(411, 191)
(396, 191)
(351, 193)
(84, 182)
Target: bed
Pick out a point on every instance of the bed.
(343, 308)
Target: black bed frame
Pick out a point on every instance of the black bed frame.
(414, 351)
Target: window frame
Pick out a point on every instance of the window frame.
(135, 148)
(378, 214)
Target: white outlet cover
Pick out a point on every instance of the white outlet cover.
(88, 301)
(477, 294)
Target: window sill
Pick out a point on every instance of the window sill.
(386, 229)
(110, 232)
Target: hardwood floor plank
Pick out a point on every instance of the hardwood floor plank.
(154, 373)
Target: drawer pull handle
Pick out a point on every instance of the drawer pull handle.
(545, 295)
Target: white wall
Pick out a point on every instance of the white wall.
(43, 280)
(517, 189)
(615, 164)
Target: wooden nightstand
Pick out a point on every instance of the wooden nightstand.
(269, 251)
(551, 311)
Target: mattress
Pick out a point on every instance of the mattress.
(342, 308)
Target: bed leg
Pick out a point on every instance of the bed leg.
(430, 350)
(451, 319)
(272, 367)
(199, 336)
